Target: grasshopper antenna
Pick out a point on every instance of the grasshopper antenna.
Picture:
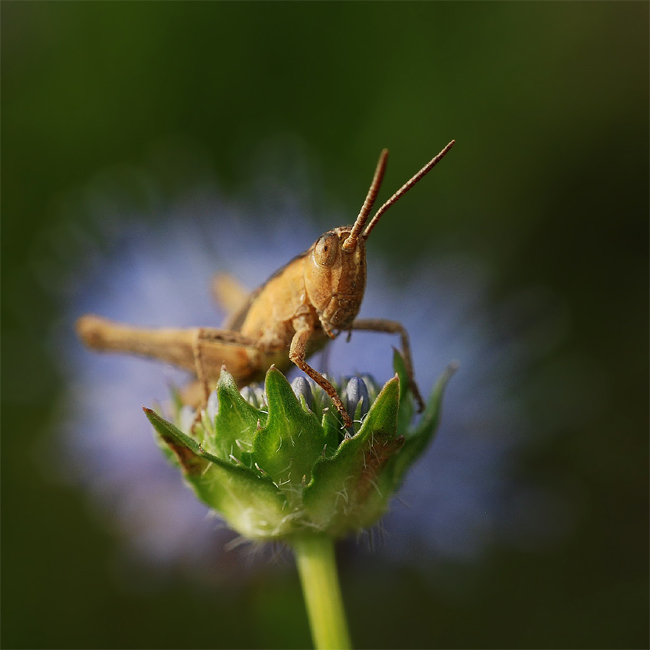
(350, 243)
(403, 190)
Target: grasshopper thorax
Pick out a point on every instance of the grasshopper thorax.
(335, 278)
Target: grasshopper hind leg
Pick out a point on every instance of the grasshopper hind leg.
(235, 353)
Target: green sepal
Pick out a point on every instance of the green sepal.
(250, 502)
(187, 452)
(303, 403)
(356, 416)
(420, 438)
(405, 413)
(236, 420)
(287, 447)
(346, 490)
(163, 445)
(332, 430)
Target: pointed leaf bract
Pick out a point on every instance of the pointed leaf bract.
(347, 489)
(235, 422)
(287, 447)
(405, 414)
(251, 504)
(419, 439)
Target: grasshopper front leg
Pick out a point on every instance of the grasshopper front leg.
(393, 327)
(304, 331)
(203, 336)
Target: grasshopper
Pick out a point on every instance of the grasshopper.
(310, 300)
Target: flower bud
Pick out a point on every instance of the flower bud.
(280, 471)
(357, 400)
(302, 388)
(251, 396)
(213, 406)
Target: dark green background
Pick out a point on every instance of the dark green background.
(548, 185)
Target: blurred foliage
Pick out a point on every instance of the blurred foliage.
(547, 185)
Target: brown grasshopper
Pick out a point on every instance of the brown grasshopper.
(310, 300)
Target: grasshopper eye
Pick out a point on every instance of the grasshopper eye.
(326, 250)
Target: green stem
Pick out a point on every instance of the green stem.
(320, 587)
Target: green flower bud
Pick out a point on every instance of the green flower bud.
(279, 464)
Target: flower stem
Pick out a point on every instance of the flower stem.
(320, 587)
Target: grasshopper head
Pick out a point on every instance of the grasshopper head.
(335, 278)
(335, 270)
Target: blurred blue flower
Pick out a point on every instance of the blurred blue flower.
(461, 498)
